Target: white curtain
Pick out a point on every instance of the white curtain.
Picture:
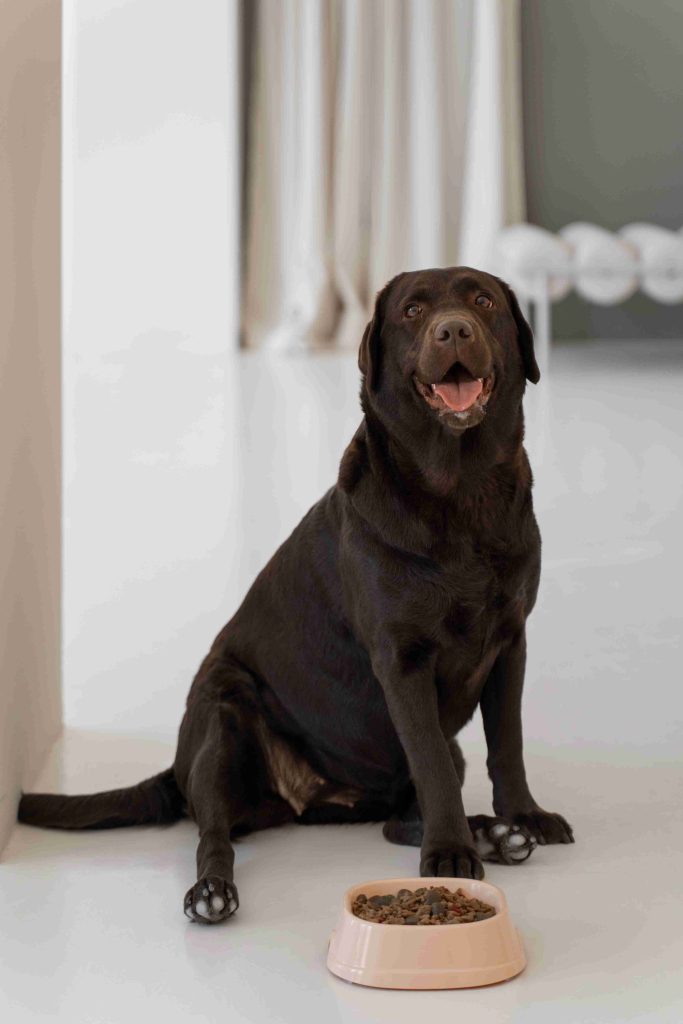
(384, 136)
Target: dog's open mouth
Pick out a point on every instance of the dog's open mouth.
(457, 392)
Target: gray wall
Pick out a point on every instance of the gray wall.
(603, 134)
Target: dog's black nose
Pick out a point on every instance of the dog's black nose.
(451, 330)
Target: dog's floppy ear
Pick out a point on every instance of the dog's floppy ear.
(369, 351)
(524, 334)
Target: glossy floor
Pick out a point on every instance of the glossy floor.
(92, 926)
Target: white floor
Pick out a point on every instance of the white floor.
(92, 928)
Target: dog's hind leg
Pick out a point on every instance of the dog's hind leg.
(338, 814)
(220, 769)
(215, 798)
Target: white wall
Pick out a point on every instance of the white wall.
(150, 322)
(30, 709)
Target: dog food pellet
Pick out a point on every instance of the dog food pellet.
(436, 905)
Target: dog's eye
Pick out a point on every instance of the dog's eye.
(412, 310)
(484, 300)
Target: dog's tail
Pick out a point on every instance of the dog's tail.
(155, 801)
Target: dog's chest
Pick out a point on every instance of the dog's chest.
(485, 600)
(485, 597)
(482, 581)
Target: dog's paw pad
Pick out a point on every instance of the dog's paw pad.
(211, 902)
(502, 842)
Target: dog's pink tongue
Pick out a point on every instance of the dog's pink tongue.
(460, 395)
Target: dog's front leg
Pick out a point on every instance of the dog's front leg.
(501, 709)
(447, 845)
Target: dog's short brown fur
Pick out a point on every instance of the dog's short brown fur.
(396, 606)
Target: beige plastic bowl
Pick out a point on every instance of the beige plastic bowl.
(439, 956)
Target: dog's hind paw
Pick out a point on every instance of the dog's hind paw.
(546, 826)
(211, 900)
(404, 832)
(501, 841)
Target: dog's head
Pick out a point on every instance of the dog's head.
(452, 342)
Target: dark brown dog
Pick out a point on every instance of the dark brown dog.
(396, 606)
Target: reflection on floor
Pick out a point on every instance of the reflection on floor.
(92, 928)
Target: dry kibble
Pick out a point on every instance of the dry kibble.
(435, 905)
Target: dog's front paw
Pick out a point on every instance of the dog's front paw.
(211, 900)
(451, 861)
(546, 826)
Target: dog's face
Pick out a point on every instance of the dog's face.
(454, 341)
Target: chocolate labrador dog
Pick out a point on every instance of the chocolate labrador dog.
(396, 606)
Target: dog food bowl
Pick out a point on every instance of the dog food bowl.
(419, 957)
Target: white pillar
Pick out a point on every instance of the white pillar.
(151, 319)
